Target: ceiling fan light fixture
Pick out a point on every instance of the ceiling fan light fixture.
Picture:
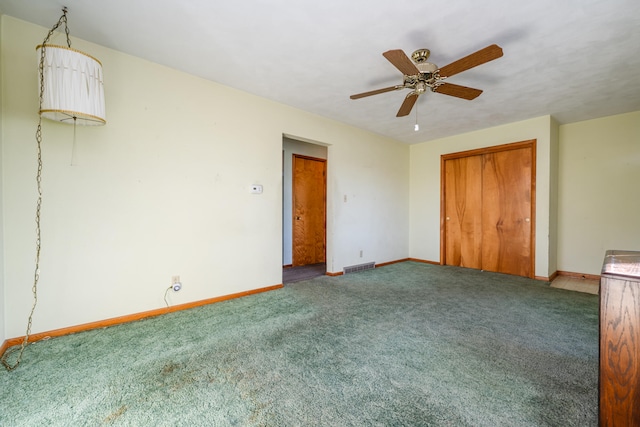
(427, 67)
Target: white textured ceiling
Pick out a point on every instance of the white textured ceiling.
(573, 59)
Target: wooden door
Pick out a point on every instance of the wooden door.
(464, 212)
(506, 212)
(487, 209)
(309, 210)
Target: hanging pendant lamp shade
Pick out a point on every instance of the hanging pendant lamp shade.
(73, 89)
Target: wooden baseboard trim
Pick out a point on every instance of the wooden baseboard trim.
(5, 345)
(424, 261)
(545, 279)
(129, 318)
(578, 275)
(559, 273)
(384, 264)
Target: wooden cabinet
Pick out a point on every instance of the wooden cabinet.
(488, 202)
(620, 340)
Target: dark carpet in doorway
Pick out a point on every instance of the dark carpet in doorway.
(303, 272)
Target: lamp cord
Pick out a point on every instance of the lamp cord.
(36, 275)
(165, 295)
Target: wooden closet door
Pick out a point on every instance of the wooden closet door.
(464, 212)
(487, 208)
(506, 212)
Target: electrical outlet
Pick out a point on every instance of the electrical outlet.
(176, 285)
(360, 253)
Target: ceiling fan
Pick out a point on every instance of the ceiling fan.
(421, 75)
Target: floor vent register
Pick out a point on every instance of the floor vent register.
(359, 267)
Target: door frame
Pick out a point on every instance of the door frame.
(295, 156)
(487, 150)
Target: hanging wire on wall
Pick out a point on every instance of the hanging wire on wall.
(70, 89)
(36, 276)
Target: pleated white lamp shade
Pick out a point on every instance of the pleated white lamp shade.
(73, 87)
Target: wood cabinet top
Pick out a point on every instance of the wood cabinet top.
(622, 264)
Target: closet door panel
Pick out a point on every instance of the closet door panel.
(506, 212)
(463, 228)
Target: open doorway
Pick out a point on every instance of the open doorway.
(303, 220)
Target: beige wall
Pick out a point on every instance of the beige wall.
(599, 191)
(425, 185)
(163, 190)
(554, 167)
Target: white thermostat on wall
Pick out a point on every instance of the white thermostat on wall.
(256, 189)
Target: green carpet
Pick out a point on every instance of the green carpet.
(408, 344)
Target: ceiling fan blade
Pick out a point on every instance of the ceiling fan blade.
(375, 92)
(401, 61)
(458, 91)
(480, 57)
(407, 105)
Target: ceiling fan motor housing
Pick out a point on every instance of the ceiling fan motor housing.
(426, 78)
